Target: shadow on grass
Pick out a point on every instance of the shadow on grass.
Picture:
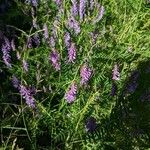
(129, 122)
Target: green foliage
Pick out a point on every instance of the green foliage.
(123, 121)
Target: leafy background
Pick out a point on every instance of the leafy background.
(122, 121)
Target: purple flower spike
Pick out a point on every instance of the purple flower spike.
(36, 39)
(52, 41)
(32, 2)
(100, 14)
(91, 4)
(94, 36)
(29, 42)
(73, 24)
(25, 66)
(74, 8)
(115, 73)
(67, 39)
(45, 31)
(82, 9)
(85, 74)
(91, 124)
(77, 27)
(25, 93)
(72, 53)
(71, 93)
(15, 82)
(6, 50)
(35, 3)
(54, 57)
(58, 2)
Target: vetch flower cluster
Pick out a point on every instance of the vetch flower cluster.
(52, 41)
(72, 53)
(29, 42)
(53, 37)
(91, 4)
(45, 28)
(26, 94)
(100, 13)
(58, 2)
(70, 47)
(85, 74)
(33, 2)
(71, 93)
(36, 39)
(82, 9)
(115, 73)
(25, 65)
(94, 36)
(73, 24)
(54, 57)
(74, 8)
(33, 41)
(67, 39)
(91, 124)
(15, 82)
(6, 47)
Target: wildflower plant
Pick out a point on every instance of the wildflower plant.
(6, 47)
(63, 75)
(71, 93)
